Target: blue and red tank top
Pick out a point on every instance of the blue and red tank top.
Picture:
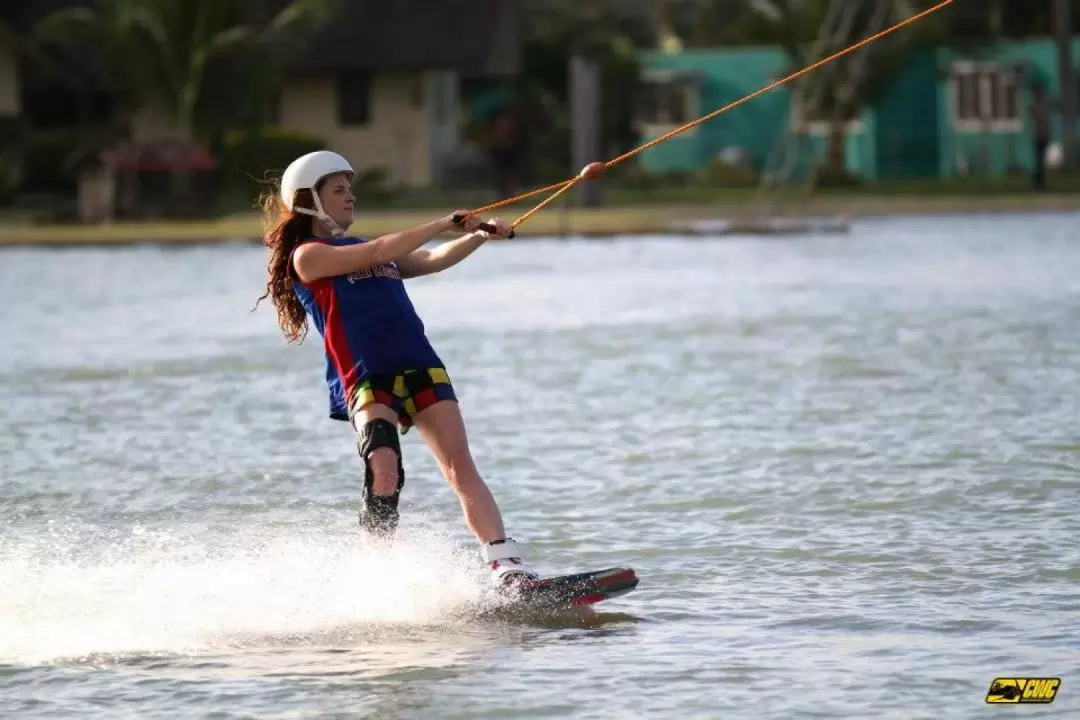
(368, 324)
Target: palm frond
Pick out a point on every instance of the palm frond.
(300, 16)
(228, 40)
(67, 25)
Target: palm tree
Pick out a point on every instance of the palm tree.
(201, 66)
(848, 84)
(172, 57)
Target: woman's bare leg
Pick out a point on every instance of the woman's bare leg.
(443, 429)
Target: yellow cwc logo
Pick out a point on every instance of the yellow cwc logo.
(1023, 690)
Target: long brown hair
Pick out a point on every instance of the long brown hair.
(283, 229)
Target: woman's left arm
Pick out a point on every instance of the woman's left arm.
(425, 261)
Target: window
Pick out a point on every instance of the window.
(353, 98)
(817, 119)
(668, 100)
(985, 96)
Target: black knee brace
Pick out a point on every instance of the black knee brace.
(379, 513)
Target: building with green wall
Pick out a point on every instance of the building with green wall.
(946, 113)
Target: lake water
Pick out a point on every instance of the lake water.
(846, 468)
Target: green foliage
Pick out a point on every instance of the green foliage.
(727, 175)
(11, 156)
(47, 161)
(631, 177)
(712, 23)
(981, 20)
(253, 160)
(833, 177)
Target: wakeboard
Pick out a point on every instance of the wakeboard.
(567, 592)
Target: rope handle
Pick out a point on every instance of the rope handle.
(459, 220)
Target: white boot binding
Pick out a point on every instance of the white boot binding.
(504, 557)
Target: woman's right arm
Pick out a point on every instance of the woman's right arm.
(315, 260)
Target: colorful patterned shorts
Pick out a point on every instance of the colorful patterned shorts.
(406, 394)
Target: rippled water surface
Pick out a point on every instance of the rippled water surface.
(846, 468)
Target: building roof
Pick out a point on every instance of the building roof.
(473, 37)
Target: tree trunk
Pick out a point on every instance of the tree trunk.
(836, 150)
(1062, 25)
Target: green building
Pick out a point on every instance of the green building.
(945, 114)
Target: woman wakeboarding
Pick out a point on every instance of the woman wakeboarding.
(382, 372)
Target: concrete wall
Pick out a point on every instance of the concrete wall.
(395, 138)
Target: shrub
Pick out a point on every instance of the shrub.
(252, 158)
(47, 168)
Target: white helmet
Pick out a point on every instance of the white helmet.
(305, 172)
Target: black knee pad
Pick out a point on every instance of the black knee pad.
(379, 513)
(379, 434)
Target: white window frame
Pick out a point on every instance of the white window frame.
(690, 81)
(799, 123)
(998, 79)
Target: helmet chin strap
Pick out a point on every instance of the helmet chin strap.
(321, 215)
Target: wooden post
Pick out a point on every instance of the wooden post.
(1063, 35)
(585, 124)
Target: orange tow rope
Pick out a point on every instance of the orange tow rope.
(597, 169)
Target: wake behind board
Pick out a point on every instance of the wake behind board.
(567, 592)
